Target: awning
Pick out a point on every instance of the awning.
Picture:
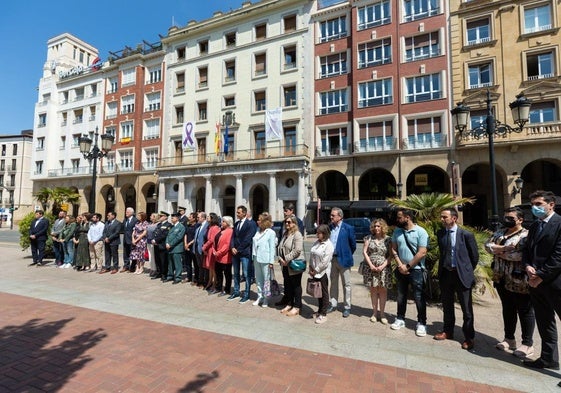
(328, 205)
(371, 205)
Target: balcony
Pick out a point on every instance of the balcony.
(424, 141)
(376, 144)
(270, 153)
(71, 171)
(12, 168)
(540, 132)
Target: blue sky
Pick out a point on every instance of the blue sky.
(26, 26)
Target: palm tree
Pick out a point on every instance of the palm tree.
(58, 196)
(429, 206)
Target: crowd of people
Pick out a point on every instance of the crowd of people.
(218, 254)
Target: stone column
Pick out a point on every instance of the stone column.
(208, 194)
(301, 198)
(273, 196)
(239, 190)
(181, 192)
(162, 201)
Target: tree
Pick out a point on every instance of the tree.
(427, 208)
(57, 196)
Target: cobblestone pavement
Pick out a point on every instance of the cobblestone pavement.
(69, 331)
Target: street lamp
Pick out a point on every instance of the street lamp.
(520, 113)
(93, 154)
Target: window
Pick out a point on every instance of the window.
(375, 93)
(230, 68)
(179, 114)
(289, 140)
(15, 149)
(260, 64)
(78, 116)
(2, 165)
(76, 140)
(111, 131)
(129, 76)
(374, 53)
(201, 149)
(260, 32)
(260, 101)
(42, 120)
(376, 136)
(62, 145)
(75, 165)
(418, 9)
(125, 160)
(537, 18)
(40, 143)
(127, 104)
(203, 47)
(540, 66)
(78, 94)
(64, 119)
(260, 144)
(14, 165)
(542, 112)
(230, 39)
(478, 31)
(374, 15)
(201, 109)
(422, 46)
(289, 94)
(153, 101)
(423, 88)
(92, 113)
(332, 29)
(93, 89)
(334, 141)
(154, 75)
(180, 53)
(203, 77)
(289, 23)
(151, 158)
(3, 151)
(152, 129)
(229, 101)
(289, 54)
(333, 102)
(127, 131)
(112, 85)
(180, 82)
(109, 163)
(480, 75)
(478, 118)
(38, 167)
(335, 64)
(111, 111)
(424, 133)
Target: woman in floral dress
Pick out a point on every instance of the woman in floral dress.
(376, 253)
(139, 245)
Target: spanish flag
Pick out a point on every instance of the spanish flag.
(217, 140)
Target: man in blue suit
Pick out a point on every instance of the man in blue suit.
(242, 241)
(38, 237)
(458, 258)
(198, 241)
(542, 259)
(128, 228)
(343, 239)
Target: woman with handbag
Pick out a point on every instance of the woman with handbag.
(293, 263)
(377, 272)
(263, 253)
(320, 268)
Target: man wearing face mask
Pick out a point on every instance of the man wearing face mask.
(542, 260)
(511, 282)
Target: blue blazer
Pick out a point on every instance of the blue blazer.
(39, 228)
(242, 239)
(128, 230)
(466, 253)
(346, 245)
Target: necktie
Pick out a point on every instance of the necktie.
(541, 224)
(447, 259)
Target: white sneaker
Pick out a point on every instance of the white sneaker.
(421, 330)
(67, 266)
(256, 303)
(265, 304)
(398, 324)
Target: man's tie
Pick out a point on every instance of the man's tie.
(447, 260)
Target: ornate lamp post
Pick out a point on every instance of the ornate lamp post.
(520, 113)
(93, 154)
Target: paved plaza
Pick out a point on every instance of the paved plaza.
(69, 331)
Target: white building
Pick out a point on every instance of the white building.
(222, 76)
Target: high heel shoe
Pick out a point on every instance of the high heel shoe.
(293, 312)
(286, 309)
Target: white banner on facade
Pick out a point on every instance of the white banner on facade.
(273, 124)
(189, 140)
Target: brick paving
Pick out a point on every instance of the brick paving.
(53, 347)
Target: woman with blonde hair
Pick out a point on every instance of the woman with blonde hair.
(376, 251)
(223, 256)
(291, 247)
(263, 252)
(139, 245)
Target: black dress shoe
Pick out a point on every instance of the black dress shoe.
(175, 282)
(156, 277)
(32, 264)
(539, 363)
(559, 384)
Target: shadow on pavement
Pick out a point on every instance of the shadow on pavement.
(29, 364)
(197, 385)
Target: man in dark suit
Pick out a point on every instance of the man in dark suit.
(242, 241)
(198, 241)
(174, 245)
(458, 257)
(159, 242)
(542, 259)
(128, 228)
(183, 217)
(111, 239)
(38, 237)
(343, 239)
(189, 263)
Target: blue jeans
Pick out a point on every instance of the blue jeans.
(68, 248)
(241, 263)
(415, 278)
(58, 249)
